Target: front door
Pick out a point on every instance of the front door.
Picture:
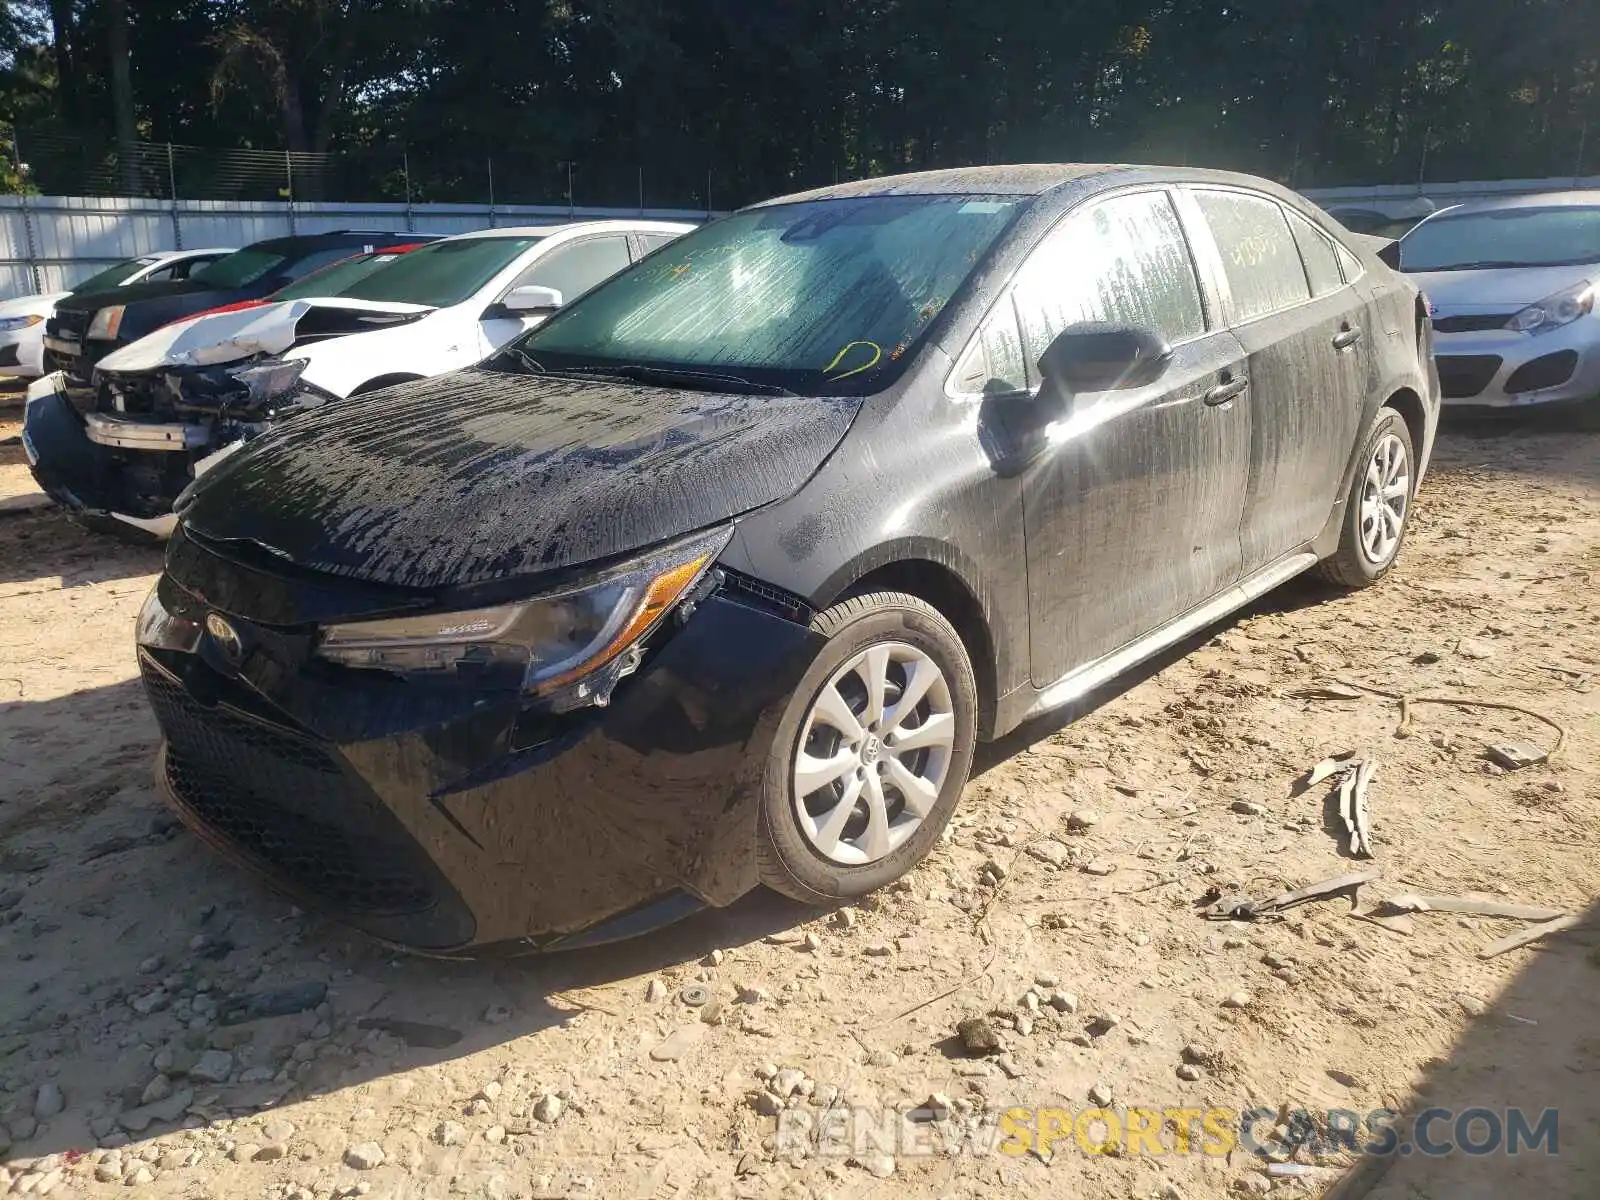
(1133, 496)
(1304, 330)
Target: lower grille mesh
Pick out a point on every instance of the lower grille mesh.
(287, 803)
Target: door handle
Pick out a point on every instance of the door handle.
(1232, 389)
(1346, 338)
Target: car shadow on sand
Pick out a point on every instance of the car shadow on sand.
(45, 549)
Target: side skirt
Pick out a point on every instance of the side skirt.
(1080, 681)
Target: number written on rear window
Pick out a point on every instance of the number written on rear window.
(1259, 254)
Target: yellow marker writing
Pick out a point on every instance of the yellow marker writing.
(877, 354)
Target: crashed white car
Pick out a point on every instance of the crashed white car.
(171, 403)
(22, 318)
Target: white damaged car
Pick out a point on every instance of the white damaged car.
(168, 405)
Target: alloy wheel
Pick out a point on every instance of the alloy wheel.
(874, 753)
(1385, 498)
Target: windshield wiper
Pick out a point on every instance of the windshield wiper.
(529, 363)
(1487, 265)
(705, 381)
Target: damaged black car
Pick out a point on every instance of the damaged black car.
(716, 578)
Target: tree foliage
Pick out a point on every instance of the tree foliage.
(767, 96)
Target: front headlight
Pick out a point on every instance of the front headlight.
(106, 323)
(543, 644)
(161, 630)
(12, 324)
(271, 378)
(1553, 312)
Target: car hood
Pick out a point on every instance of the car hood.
(244, 333)
(149, 306)
(480, 475)
(1504, 290)
(31, 306)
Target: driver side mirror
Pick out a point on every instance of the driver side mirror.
(1098, 358)
(532, 298)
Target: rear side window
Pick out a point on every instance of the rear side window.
(1322, 261)
(1258, 253)
(1123, 261)
(578, 267)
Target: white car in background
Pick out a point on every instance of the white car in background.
(171, 404)
(438, 308)
(22, 319)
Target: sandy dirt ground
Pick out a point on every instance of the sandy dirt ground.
(1065, 910)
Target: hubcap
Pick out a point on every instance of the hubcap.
(874, 754)
(1385, 497)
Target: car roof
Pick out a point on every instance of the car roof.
(163, 255)
(1026, 179)
(1572, 199)
(639, 226)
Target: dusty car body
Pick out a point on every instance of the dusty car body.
(716, 578)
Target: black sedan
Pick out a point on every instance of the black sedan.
(715, 578)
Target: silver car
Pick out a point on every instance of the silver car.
(1511, 285)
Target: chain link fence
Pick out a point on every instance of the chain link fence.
(53, 164)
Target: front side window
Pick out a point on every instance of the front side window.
(1258, 252)
(1122, 261)
(1321, 260)
(578, 267)
(1509, 237)
(823, 297)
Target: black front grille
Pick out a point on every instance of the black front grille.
(1473, 324)
(285, 801)
(1465, 375)
(65, 322)
(1546, 371)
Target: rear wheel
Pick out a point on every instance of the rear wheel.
(1378, 509)
(871, 755)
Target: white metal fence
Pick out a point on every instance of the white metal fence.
(47, 243)
(1419, 199)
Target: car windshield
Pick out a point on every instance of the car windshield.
(333, 279)
(1512, 237)
(820, 297)
(239, 269)
(112, 276)
(442, 273)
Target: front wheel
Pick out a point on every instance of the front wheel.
(1378, 509)
(872, 752)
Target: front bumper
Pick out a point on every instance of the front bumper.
(22, 352)
(1501, 368)
(448, 820)
(104, 467)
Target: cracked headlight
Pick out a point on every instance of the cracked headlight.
(1553, 312)
(270, 379)
(106, 323)
(543, 644)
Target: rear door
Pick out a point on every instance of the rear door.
(1133, 496)
(1303, 328)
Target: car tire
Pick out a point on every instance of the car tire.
(1378, 509)
(910, 645)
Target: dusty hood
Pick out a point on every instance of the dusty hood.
(269, 329)
(479, 475)
(1505, 290)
